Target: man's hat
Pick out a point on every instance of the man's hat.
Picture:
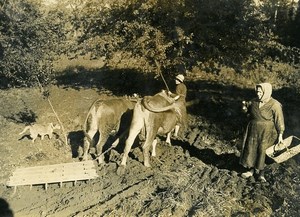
(180, 77)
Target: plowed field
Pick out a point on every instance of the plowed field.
(198, 175)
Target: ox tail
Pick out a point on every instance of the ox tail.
(91, 117)
(25, 129)
(146, 104)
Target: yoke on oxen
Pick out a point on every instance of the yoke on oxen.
(161, 102)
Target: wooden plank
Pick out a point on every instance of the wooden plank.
(48, 180)
(41, 181)
(52, 170)
(74, 165)
(57, 173)
(53, 174)
(53, 178)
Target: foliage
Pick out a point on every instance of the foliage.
(151, 36)
(179, 34)
(27, 42)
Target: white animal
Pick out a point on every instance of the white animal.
(40, 129)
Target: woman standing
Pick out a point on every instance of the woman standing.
(265, 127)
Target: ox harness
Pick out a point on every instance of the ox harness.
(160, 102)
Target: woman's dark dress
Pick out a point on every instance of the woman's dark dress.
(262, 131)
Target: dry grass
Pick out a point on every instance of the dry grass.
(277, 73)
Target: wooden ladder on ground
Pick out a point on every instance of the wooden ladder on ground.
(57, 173)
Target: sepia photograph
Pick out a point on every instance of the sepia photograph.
(149, 108)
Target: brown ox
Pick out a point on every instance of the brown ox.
(159, 115)
(105, 117)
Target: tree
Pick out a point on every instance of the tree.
(175, 33)
(27, 42)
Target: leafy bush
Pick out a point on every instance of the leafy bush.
(228, 38)
(28, 44)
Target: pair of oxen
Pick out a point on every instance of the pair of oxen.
(150, 115)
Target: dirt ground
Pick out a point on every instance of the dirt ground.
(198, 175)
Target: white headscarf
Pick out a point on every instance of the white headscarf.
(267, 91)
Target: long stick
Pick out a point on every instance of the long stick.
(296, 137)
(161, 75)
(60, 123)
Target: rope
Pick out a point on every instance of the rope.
(296, 137)
(56, 115)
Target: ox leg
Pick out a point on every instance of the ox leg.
(33, 136)
(102, 139)
(134, 131)
(168, 140)
(176, 131)
(154, 143)
(149, 141)
(88, 139)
